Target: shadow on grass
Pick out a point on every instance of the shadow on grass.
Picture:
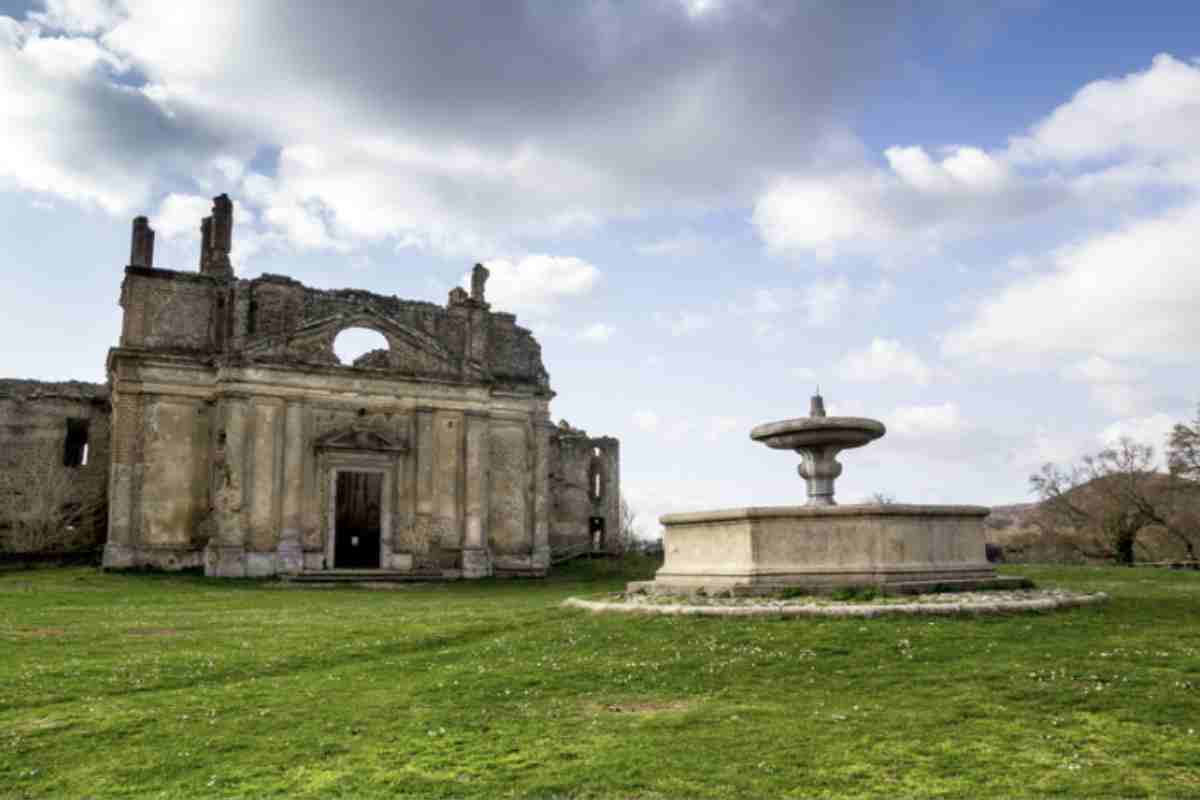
(628, 567)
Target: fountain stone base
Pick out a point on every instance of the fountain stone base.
(897, 548)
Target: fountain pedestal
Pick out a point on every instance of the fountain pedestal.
(823, 546)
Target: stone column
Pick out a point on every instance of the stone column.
(226, 556)
(541, 494)
(291, 554)
(476, 562)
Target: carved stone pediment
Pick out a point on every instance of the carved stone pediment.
(361, 439)
(409, 350)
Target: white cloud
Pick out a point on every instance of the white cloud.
(721, 428)
(925, 422)
(766, 333)
(1113, 386)
(179, 215)
(910, 208)
(682, 323)
(884, 360)
(78, 16)
(537, 284)
(1042, 446)
(601, 112)
(73, 126)
(1098, 369)
(674, 429)
(1144, 115)
(818, 304)
(823, 301)
(800, 214)
(702, 8)
(1152, 430)
(686, 243)
(645, 420)
(597, 332)
(803, 373)
(1130, 293)
(1123, 399)
(1096, 153)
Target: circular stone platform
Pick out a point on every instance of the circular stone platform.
(944, 604)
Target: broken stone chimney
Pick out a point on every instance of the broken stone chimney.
(216, 239)
(141, 247)
(479, 276)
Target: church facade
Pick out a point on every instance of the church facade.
(239, 441)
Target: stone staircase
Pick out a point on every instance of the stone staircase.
(354, 576)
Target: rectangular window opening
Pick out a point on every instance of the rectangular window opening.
(76, 446)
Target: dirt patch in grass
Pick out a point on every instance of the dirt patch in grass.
(647, 707)
(43, 633)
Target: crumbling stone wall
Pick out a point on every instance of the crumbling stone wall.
(54, 455)
(586, 491)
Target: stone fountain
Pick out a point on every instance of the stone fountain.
(822, 546)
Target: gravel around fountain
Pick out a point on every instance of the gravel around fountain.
(939, 604)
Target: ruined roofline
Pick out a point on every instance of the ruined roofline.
(171, 274)
(28, 389)
(216, 244)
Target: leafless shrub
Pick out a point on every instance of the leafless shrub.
(53, 510)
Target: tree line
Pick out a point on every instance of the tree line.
(1107, 503)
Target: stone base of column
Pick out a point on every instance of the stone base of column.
(541, 557)
(225, 561)
(118, 556)
(476, 563)
(290, 555)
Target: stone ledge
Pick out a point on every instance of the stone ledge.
(863, 510)
(901, 587)
(966, 606)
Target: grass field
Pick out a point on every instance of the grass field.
(169, 686)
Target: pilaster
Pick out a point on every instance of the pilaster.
(291, 555)
(476, 560)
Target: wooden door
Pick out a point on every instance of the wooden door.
(357, 522)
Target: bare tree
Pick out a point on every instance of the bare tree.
(1183, 451)
(626, 532)
(52, 512)
(882, 499)
(1103, 504)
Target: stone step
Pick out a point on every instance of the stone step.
(367, 576)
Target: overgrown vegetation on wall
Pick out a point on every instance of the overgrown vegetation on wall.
(52, 513)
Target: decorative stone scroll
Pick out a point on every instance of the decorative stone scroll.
(358, 438)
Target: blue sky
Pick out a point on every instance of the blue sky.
(980, 227)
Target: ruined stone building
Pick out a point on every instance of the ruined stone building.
(240, 442)
(53, 464)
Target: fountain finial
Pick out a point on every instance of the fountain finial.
(817, 406)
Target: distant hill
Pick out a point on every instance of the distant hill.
(1014, 527)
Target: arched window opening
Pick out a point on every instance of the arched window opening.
(595, 484)
(354, 343)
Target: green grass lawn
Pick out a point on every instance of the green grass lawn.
(123, 685)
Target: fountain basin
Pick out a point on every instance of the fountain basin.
(806, 432)
(821, 548)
